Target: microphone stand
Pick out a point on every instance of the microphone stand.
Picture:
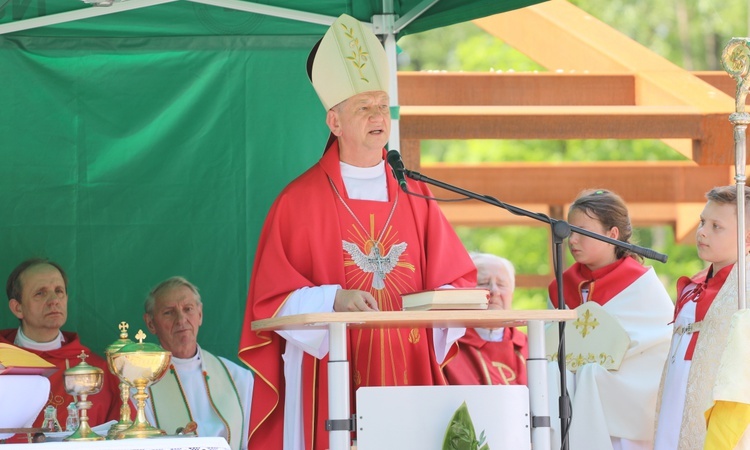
(560, 231)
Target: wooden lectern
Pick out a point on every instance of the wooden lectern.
(338, 366)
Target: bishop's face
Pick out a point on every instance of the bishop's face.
(362, 125)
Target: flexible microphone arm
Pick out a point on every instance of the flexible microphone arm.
(643, 251)
(560, 231)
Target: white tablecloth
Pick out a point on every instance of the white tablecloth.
(22, 398)
(162, 443)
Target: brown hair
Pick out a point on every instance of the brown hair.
(609, 209)
(13, 287)
(726, 195)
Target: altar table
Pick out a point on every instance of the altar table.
(338, 366)
(159, 443)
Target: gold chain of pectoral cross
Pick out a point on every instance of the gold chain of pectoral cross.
(367, 233)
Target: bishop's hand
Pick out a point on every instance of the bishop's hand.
(352, 300)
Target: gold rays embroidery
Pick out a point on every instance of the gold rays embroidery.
(377, 267)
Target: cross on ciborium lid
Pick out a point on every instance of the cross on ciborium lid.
(83, 368)
(121, 342)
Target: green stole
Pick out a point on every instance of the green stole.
(170, 408)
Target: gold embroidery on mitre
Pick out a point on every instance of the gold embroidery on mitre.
(414, 336)
(357, 378)
(359, 56)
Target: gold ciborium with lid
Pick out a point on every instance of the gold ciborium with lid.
(140, 365)
(81, 381)
(125, 422)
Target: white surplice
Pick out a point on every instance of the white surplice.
(615, 410)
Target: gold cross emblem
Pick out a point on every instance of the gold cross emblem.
(588, 322)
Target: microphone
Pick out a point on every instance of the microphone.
(397, 167)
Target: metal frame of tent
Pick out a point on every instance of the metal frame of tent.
(384, 25)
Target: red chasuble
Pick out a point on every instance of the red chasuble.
(603, 284)
(702, 289)
(311, 239)
(106, 404)
(489, 363)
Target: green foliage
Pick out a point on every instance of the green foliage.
(690, 33)
(477, 151)
(460, 434)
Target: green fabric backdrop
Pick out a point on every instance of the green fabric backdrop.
(158, 159)
(151, 143)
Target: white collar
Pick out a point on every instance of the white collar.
(24, 341)
(191, 363)
(350, 171)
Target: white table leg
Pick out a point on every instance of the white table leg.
(536, 367)
(338, 387)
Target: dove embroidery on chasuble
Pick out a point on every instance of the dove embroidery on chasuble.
(376, 242)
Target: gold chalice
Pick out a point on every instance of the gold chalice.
(81, 381)
(140, 365)
(125, 422)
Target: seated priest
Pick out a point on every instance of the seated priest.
(491, 356)
(211, 391)
(38, 296)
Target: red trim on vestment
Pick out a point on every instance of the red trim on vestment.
(604, 283)
(707, 285)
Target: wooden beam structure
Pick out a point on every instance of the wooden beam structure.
(562, 37)
(553, 122)
(515, 89)
(557, 184)
(600, 85)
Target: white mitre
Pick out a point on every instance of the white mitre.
(349, 60)
(594, 337)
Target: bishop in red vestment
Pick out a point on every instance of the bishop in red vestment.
(343, 237)
(294, 253)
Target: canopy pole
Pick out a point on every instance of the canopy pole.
(736, 61)
(383, 26)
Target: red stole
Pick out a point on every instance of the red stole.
(301, 246)
(704, 288)
(489, 363)
(603, 284)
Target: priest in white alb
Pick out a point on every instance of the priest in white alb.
(199, 387)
